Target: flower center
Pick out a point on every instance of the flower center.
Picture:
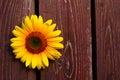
(35, 42)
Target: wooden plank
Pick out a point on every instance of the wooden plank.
(73, 18)
(12, 12)
(108, 39)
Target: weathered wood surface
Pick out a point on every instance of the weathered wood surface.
(108, 39)
(73, 18)
(12, 12)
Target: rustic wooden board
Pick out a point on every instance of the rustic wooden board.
(108, 39)
(73, 18)
(11, 13)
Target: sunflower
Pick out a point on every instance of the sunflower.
(36, 42)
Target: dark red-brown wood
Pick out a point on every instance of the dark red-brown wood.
(108, 39)
(73, 18)
(12, 12)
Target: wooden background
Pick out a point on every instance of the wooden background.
(91, 31)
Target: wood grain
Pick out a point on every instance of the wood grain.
(73, 18)
(12, 12)
(108, 39)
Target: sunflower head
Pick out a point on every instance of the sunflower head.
(36, 41)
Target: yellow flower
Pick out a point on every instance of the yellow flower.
(36, 42)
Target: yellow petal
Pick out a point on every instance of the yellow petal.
(44, 30)
(55, 39)
(40, 20)
(19, 55)
(48, 22)
(28, 60)
(21, 30)
(39, 64)
(23, 59)
(45, 59)
(53, 34)
(34, 61)
(16, 39)
(58, 54)
(42, 65)
(18, 49)
(28, 24)
(17, 33)
(22, 42)
(49, 55)
(52, 27)
(56, 45)
(30, 65)
(33, 18)
(40, 25)
(24, 27)
(17, 44)
(35, 22)
(53, 52)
